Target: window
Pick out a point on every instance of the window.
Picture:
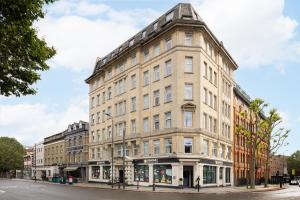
(210, 74)
(210, 125)
(168, 94)
(92, 102)
(156, 122)
(98, 99)
(141, 173)
(95, 172)
(228, 155)
(120, 67)
(146, 124)
(209, 174)
(168, 68)
(205, 124)
(205, 95)
(162, 174)
(146, 55)
(169, 16)
(168, 120)
(155, 26)
(120, 86)
(133, 59)
(156, 50)
(109, 94)
(146, 78)
(146, 101)
(215, 102)
(188, 145)
(188, 91)
(144, 34)
(120, 128)
(188, 119)
(93, 119)
(215, 126)
(131, 42)
(98, 117)
(106, 172)
(156, 98)
(188, 39)
(133, 81)
(168, 145)
(188, 65)
(133, 104)
(156, 73)
(120, 108)
(135, 149)
(109, 74)
(214, 149)
(205, 147)
(156, 144)
(205, 69)
(210, 98)
(103, 115)
(146, 148)
(215, 79)
(222, 151)
(168, 44)
(133, 126)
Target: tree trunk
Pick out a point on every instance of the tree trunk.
(253, 158)
(267, 163)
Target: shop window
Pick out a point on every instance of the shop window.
(95, 172)
(141, 173)
(163, 174)
(106, 172)
(209, 174)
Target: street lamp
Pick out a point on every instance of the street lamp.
(112, 149)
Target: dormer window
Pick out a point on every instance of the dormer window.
(131, 42)
(69, 128)
(144, 34)
(80, 124)
(155, 26)
(169, 16)
(120, 49)
(104, 60)
(74, 127)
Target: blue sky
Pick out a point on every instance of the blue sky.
(262, 35)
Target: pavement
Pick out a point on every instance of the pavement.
(28, 190)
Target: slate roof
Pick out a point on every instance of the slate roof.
(182, 12)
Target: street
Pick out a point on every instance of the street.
(24, 190)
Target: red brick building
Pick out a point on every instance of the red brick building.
(242, 150)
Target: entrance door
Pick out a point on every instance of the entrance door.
(121, 175)
(188, 176)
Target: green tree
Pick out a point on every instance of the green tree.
(22, 54)
(11, 154)
(294, 163)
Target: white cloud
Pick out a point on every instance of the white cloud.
(30, 123)
(255, 32)
(81, 31)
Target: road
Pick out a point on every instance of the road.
(22, 190)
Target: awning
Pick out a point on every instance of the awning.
(69, 169)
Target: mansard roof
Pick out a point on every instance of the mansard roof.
(182, 13)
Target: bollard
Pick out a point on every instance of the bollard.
(153, 186)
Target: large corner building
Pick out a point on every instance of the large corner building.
(169, 88)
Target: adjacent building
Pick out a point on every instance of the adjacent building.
(242, 149)
(169, 89)
(278, 166)
(38, 169)
(54, 156)
(76, 146)
(28, 157)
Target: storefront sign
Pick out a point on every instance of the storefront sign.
(153, 160)
(103, 162)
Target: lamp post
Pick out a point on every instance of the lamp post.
(124, 158)
(112, 149)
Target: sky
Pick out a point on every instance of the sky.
(263, 36)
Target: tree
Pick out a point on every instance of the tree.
(294, 163)
(11, 154)
(253, 134)
(275, 137)
(22, 53)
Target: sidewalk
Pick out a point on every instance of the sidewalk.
(209, 190)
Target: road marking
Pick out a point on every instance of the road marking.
(2, 191)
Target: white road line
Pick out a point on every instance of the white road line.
(2, 191)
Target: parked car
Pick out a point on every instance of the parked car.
(294, 182)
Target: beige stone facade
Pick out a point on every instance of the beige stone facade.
(169, 88)
(54, 148)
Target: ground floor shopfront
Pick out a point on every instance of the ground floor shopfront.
(171, 172)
